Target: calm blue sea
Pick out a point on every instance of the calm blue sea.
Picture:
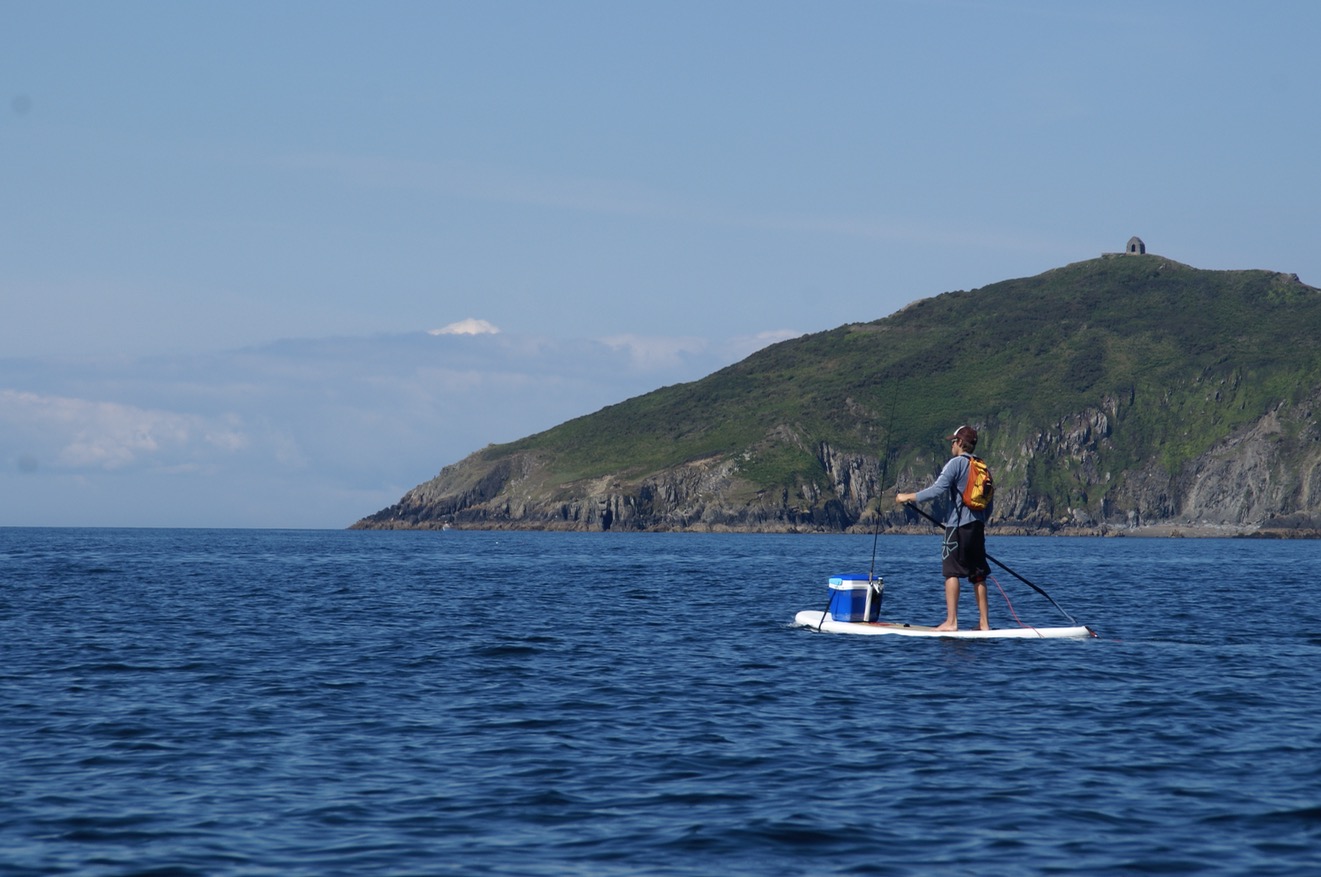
(228, 702)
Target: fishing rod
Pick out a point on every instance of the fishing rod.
(1001, 565)
(876, 530)
(885, 467)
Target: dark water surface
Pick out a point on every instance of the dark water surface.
(178, 702)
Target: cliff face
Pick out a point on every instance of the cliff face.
(1116, 395)
(1266, 477)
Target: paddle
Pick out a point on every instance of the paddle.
(1001, 565)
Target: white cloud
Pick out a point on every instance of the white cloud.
(71, 433)
(469, 326)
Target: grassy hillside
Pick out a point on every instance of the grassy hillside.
(1142, 330)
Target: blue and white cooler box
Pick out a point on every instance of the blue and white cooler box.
(849, 598)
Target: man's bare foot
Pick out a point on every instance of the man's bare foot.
(947, 626)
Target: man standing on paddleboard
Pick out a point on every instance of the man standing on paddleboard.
(963, 555)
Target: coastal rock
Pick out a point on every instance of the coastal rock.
(1267, 476)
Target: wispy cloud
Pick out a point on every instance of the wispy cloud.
(653, 353)
(313, 432)
(623, 197)
(648, 353)
(73, 433)
(484, 182)
(742, 346)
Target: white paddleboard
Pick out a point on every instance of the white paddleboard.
(812, 618)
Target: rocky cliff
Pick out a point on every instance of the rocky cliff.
(1263, 479)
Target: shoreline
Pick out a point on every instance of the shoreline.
(1171, 530)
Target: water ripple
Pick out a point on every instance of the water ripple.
(231, 702)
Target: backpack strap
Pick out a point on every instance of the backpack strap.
(967, 473)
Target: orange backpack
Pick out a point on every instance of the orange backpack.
(980, 489)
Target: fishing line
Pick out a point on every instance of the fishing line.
(1002, 566)
(885, 468)
(999, 587)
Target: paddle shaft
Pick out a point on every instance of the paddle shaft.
(1001, 565)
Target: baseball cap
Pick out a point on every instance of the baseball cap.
(965, 434)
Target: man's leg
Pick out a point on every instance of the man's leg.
(951, 621)
(982, 609)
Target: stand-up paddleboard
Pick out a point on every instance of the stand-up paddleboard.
(855, 607)
(813, 618)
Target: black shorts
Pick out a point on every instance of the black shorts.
(963, 556)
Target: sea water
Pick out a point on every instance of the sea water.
(217, 702)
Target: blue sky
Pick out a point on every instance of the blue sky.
(231, 234)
